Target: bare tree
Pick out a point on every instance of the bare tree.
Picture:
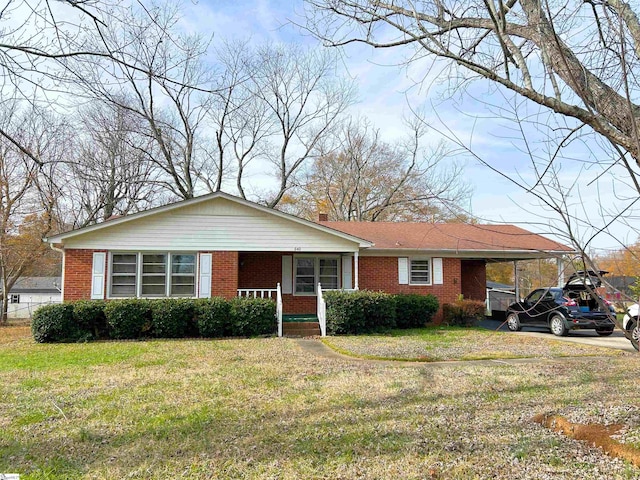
(160, 79)
(530, 47)
(108, 174)
(366, 179)
(303, 98)
(26, 204)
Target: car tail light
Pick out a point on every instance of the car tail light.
(569, 303)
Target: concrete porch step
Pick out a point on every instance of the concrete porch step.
(300, 329)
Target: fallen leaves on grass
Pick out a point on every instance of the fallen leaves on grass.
(594, 434)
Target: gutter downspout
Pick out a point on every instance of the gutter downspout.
(61, 250)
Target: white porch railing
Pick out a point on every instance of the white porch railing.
(258, 292)
(322, 312)
(272, 293)
(279, 308)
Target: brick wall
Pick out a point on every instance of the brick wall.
(233, 270)
(474, 279)
(260, 269)
(224, 277)
(381, 273)
(77, 274)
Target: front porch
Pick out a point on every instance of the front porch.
(295, 325)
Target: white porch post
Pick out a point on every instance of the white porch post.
(560, 264)
(355, 271)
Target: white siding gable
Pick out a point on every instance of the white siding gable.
(218, 224)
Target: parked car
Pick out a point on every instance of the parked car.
(563, 309)
(631, 323)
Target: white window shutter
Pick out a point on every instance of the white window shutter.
(438, 277)
(287, 274)
(347, 272)
(403, 270)
(204, 290)
(97, 275)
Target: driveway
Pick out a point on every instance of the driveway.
(617, 340)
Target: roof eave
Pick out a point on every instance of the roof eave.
(362, 243)
(467, 253)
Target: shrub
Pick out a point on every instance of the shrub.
(172, 317)
(414, 311)
(345, 313)
(129, 318)
(89, 316)
(213, 317)
(55, 323)
(463, 313)
(359, 312)
(252, 316)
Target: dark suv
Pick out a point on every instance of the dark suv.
(562, 309)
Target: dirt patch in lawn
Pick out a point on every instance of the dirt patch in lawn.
(594, 434)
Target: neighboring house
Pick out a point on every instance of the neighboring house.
(28, 293)
(221, 245)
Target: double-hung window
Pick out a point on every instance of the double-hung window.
(153, 274)
(183, 275)
(420, 272)
(309, 271)
(124, 268)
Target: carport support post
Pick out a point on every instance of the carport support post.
(355, 270)
(516, 279)
(560, 265)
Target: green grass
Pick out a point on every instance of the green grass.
(264, 408)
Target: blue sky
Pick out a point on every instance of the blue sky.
(386, 91)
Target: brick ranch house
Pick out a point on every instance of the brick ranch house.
(221, 245)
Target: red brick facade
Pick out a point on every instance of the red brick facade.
(381, 273)
(77, 274)
(233, 270)
(224, 277)
(474, 279)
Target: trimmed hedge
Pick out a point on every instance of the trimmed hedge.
(252, 318)
(128, 319)
(162, 318)
(362, 311)
(213, 317)
(89, 317)
(415, 311)
(55, 323)
(347, 313)
(172, 317)
(367, 312)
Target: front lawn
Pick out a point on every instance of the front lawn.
(265, 408)
(434, 344)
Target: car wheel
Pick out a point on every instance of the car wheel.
(557, 326)
(604, 333)
(513, 323)
(634, 329)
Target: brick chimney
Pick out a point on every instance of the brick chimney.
(323, 217)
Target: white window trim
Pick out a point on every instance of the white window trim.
(169, 260)
(430, 282)
(316, 271)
